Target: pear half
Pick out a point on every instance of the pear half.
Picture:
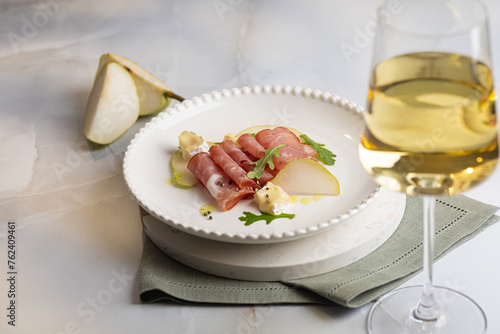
(113, 105)
(154, 95)
(306, 177)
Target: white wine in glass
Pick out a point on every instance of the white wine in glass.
(430, 130)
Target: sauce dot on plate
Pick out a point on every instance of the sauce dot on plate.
(207, 209)
(306, 200)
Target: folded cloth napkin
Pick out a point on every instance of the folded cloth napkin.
(458, 219)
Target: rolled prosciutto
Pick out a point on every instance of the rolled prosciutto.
(243, 160)
(232, 169)
(225, 192)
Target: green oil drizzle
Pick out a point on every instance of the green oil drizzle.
(206, 210)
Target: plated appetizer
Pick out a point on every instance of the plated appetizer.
(263, 163)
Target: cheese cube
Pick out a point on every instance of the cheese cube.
(272, 199)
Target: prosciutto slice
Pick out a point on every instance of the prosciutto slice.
(232, 169)
(244, 160)
(251, 145)
(269, 138)
(225, 192)
(273, 137)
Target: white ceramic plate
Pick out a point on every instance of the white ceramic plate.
(325, 118)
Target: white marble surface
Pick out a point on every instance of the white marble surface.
(78, 233)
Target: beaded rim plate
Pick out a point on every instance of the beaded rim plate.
(324, 117)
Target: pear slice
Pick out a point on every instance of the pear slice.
(113, 105)
(182, 175)
(306, 177)
(154, 95)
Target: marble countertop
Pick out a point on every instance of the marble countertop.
(78, 231)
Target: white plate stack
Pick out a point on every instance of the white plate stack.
(324, 235)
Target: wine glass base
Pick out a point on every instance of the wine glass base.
(393, 313)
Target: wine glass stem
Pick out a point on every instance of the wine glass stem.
(427, 308)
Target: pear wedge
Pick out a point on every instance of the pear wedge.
(306, 177)
(154, 95)
(113, 105)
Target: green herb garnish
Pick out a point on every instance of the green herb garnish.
(267, 159)
(251, 218)
(324, 154)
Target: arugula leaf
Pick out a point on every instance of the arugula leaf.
(324, 154)
(251, 218)
(267, 159)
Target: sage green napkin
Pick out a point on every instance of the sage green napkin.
(458, 219)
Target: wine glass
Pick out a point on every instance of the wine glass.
(430, 130)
